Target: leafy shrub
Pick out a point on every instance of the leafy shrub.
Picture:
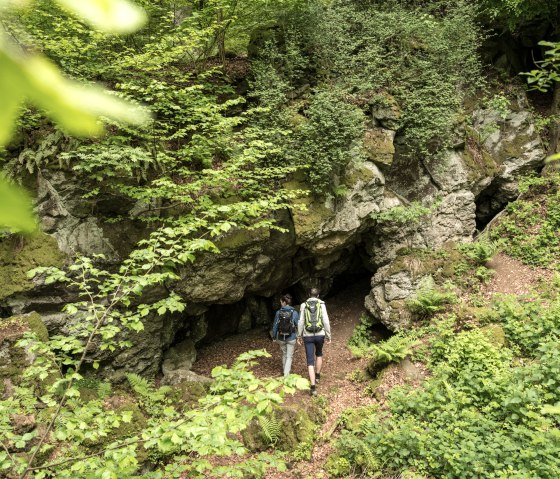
(404, 215)
(329, 138)
(477, 416)
(392, 350)
(530, 229)
(338, 466)
(361, 338)
(527, 322)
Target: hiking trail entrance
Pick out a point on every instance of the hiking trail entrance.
(344, 309)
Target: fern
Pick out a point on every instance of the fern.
(104, 390)
(429, 300)
(360, 342)
(480, 251)
(30, 160)
(140, 385)
(271, 428)
(146, 390)
(394, 349)
(370, 460)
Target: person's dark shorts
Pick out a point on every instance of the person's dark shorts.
(313, 347)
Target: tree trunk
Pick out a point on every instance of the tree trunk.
(555, 127)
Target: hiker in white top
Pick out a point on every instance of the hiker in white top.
(313, 328)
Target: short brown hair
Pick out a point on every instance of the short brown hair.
(314, 292)
(287, 298)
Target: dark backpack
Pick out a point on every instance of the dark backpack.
(313, 316)
(285, 324)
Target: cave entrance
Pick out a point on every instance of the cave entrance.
(491, 201)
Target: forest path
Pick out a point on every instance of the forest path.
(511, 276)
(345, 309)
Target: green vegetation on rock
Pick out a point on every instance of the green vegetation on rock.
(19, 255)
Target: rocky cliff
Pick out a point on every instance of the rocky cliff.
(387, 206)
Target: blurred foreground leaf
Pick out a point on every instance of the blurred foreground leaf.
(114, 16)
(16, 214)
(73, 106)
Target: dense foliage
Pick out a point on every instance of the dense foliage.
(243, 94)
(489, 404)
(530, 229)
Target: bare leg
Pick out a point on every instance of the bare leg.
(311, 370)
(318, 365)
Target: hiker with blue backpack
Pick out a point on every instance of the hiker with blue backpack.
(284, 331)
(313, 327)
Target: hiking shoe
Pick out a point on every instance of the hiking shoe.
(313, 392)
(317, 378)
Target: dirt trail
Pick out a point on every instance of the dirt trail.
(344, 311)
(511, 276)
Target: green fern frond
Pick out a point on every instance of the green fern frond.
(270, 428)
(104, 390)
(140, 385)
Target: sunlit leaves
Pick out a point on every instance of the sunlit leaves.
(548, 73)
(114, 16)
(75, 107)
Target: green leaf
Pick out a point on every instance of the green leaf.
(127, 416)
(114, 16)
(263, 406)
(15, 206)
(73, 106)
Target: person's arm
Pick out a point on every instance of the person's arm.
(275, 325)
(326, 322)
(300, 320)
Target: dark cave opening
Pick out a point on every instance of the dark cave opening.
(345, 283)
(489, 204)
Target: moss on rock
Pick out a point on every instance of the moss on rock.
(293, 425)
(239, 238)
(379, 147)
(353, 417)
(422, 262)
(477, 160)
(357, 173)
(189, 392)
(14, 358)
(308, 220)
(18, 255)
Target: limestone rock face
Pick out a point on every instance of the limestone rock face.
(379, 145)
(466, 184)
(515, 146)
(69, 218)
(365, 223)
(177, 364)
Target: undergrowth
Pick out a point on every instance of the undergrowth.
(530, 231)
(490, 406)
